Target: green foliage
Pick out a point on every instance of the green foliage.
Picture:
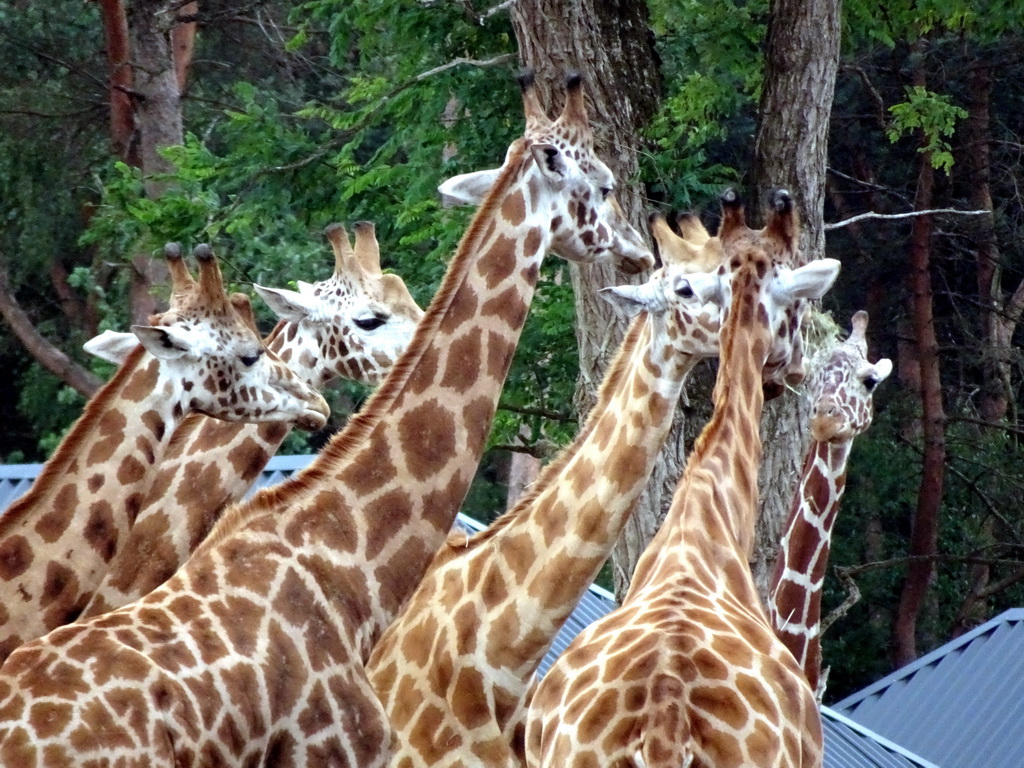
(934, 116)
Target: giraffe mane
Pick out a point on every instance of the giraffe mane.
(458, 542)
(380, 402)
(56, 468)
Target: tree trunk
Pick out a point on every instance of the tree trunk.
(158, 118)
(609, 43)
(924, 528)
(122, 111)
(791, 151)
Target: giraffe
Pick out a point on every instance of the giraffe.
(254, 651)
(453, 670)
(840, 390)
(202, 355)
(687, 670)
(352, 325)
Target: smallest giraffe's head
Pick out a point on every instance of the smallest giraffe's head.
(209, 343)
(842, 386)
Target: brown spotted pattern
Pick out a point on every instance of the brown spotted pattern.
(454, 668)
(253, 652)
(353, 325)
(688, 671)
(840, 390)
(59, 538)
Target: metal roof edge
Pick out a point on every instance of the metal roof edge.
(289, 463)
(1012, 614)
(20, 471)
(883, 742)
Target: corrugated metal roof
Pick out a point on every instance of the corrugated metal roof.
(960, 705)
(847, 744)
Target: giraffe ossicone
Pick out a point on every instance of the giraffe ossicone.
(687, 669)
(840, 389)
(254, 651)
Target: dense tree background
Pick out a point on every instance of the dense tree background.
(294, 115)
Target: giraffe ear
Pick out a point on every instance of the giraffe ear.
(112, 346)
(467, 188)
(550, 160)
(812, 280)
(292, 306)
(631, 300)
(167, 343)
(880, 371)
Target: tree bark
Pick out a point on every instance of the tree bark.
(47, 355)
(924, 528)
(791, 151)
(122, 111)
(159, 121)
(609, 43)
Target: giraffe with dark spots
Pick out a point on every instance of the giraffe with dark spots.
(352, 325)
(357, 594)
(691, 639)
(454, 669)
(78, 512)
(840, 389)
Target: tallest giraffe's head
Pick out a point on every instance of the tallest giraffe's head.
(563, 180)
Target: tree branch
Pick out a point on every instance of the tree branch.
(908, 214)
(852, 598)
(45, 353)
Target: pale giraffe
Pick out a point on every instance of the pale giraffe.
(253, 653)
(201, 355)
(352, 325)
(688, 671)
(454, 669)
(840, 391)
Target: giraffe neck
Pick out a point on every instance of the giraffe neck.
(209, 465)
(401, 468)
(545, 552)
(716, 501)
(795, 603)
(60, 536)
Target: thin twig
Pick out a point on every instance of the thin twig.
(852, 598)
(459, 62)
(908, 214)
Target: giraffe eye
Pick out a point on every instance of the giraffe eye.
(605, 191)
(685, 290)
(870, 383)
(370, 323)
(250, 360)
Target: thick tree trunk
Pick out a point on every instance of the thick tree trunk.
(122, 111)
(925, 528)
(159, 122)
(791, 151)
(610, 44)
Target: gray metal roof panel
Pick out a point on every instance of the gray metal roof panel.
(957, 703)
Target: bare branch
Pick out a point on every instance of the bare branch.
(45, 353)
(908, 214)
(503, 58)
(852, 598)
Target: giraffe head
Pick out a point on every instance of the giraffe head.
(564, 179)
(207, 342)
(354, 325)
(842, 385)
(766, 256)
(695, 324)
